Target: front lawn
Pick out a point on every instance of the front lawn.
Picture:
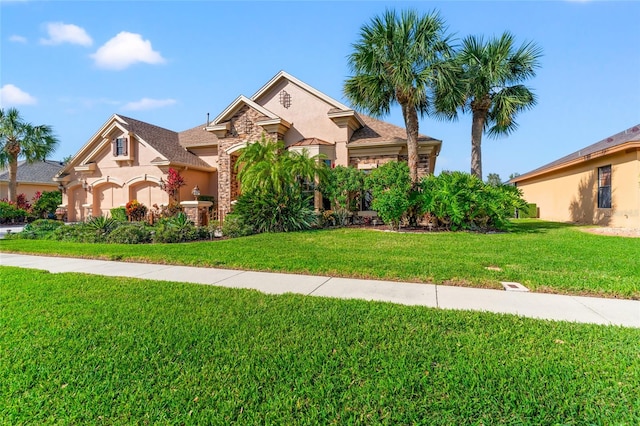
(544, 256)
(83, 349)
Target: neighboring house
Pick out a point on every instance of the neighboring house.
(599, 184)
(31, 178)
(128, 159)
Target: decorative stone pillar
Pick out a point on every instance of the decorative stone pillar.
(197, 211)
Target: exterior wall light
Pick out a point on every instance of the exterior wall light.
(195, 192)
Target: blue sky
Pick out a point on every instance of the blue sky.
(72, 64)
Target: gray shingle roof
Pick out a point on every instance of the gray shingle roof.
(600, 147)
(197, 136)
(165, 141)
(38, 172)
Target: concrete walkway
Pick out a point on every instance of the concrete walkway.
(534, 305)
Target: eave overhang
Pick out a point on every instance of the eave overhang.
(625, 147)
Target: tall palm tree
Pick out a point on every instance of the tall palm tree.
(401, 59)
(19, 139)
(492, 74)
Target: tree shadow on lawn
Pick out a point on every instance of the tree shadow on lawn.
(536, 226)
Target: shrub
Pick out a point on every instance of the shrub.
(119, 214)
(130, 233)
(79, 233)
(10, 212)
(462, 201)
(102, 224)
(46, 203)
(39, 229)
(286, 211)
(393, 197)
(170, 210)
(136, 211)
(343, 187)
(234, 227)
(178, 229)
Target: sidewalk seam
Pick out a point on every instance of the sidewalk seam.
(609, 322)
(320, 285)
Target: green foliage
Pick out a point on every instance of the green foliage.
(131, 233)
(402, 58)
(82, 349)
(282, 212)
(266, 168)
(39, 229)
(78, 233)
(102, 224)
(10, 212)
(20, 139)
(343, 187)
(234, 226)
(119, 214)
(530, 211)
(274, 182)
(494, 179)
(45, 206)
(390, 186)
(492, 76)
(462, 201)
(177, 229)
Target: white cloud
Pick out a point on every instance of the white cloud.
(18, 39)
(147, 103)
(11, 95)
(66, 33)
(126, 49)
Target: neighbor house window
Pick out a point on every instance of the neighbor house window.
(120, 146)
(604, 187)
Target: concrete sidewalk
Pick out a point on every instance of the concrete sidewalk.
(534, 305)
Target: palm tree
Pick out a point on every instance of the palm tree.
(21, 139)
(492, 76)
(401, 59)
(267, 168)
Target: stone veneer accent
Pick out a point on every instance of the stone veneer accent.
(379, 160)
(228, 186)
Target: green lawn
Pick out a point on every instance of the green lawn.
(82, 349)
(544, 256)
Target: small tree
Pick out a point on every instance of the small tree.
(343, 187)
(46, 203)
(493, 179)
(272, 181)
(173, 184)
(392, 192)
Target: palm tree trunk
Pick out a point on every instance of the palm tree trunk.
(477, 127)
(411, 122)
(13, 179)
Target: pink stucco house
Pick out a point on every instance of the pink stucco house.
(128, 159)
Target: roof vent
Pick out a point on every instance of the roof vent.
(285, 99)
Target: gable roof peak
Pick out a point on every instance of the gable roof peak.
(235, 105)
(285, 75)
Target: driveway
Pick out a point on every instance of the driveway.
(5, 229)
